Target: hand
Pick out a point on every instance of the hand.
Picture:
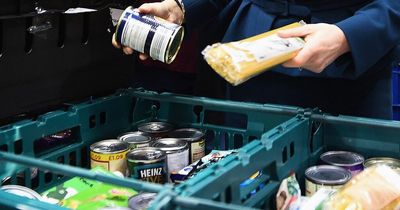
(168, 10)
(324, 44)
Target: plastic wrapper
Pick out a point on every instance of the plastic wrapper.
(289, 192)
(241, 60)
(373, 189)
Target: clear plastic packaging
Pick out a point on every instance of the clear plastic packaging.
(241, 60)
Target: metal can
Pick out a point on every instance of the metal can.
(147, 164)
(177, 154)
(325, 176)
(148, 34)
(21, 191)
(390, 162)
(195, 139)
(156, 130)
(109, 154)
(351, 161)
(135, 139)
(141, 201)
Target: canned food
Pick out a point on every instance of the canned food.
(141, 201)
(351, 161)
(148, 34)
(390, 162)
(325, 176)
(195, 139)
(109, 154)
(148, 164)
(156, 130)
(177, 154)
(135, 139)
(21, 191)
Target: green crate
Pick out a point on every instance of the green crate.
(107, 117)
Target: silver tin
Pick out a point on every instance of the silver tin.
(390, 162)
(177, 151)
(348, 160)
(141, 201)
(156, 130)
(109, 154)
(135, 139)
(195, 139)
(325, 176)
(21, 191)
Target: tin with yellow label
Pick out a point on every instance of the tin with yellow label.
(109, 154)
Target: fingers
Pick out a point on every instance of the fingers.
(154, 9)
(143, 56)
(127, 50)
(300, 31)
(300, 59)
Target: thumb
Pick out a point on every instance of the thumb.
(153, 9)
(300, 31)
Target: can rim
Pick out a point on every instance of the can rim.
(124, 136)
(170, 149)
(93, 146)
(31, 192)
(193, 139)
(163, 155)
(168, 125)
(167, 58)
(346, 175)
(358, 161)
(383, 160)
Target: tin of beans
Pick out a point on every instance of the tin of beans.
(177, 154)
(325, 176)
(135, 139)
(148, 34)
(148, 164)
(195, 139)
(109, 154)
(156, 130)
(348, 160)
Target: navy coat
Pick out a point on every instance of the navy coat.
(357, 83)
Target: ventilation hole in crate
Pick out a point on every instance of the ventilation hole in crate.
(284, 155)
(226, 119)
(28, 36)
(61, 160)
(72, 158)
(197, 111)
(48, 177)
(228, 195)
(54, 141)
(210, 140)
(18, 146)
(84, 157)
(102, 118)
(252, 138)
(21, 178)
(224, 140)
(61, 31)
(92, 121)
(4, 148)
(1, 38)
(35, 179)
(238, 140)
(291, 149)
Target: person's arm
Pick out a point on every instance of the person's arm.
(372, 32)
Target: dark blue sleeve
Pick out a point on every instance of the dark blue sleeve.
(372, 32)
(200, 11)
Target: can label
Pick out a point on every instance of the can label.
(197, 150)
(312, 188)
(147, 34)
(111, 162)
(149, 172)
(177, 161)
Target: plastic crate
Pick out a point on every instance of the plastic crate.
(109, 116)
(396, 85)
(396, 111)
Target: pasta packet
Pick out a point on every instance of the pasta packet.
(241, 60)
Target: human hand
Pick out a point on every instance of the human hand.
(324, 44)
(168, 10)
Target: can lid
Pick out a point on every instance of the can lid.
(342, 158)
(326, 174)
(21, 191)
(134, 137)
(170, 145)
(146, 154)
(141, 201)
(109, 146)
(391, 162)
(187, 134)
(155, 127)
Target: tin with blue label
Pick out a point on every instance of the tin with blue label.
(147, 164)
(149, 34)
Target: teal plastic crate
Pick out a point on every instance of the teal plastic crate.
(110, 116)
